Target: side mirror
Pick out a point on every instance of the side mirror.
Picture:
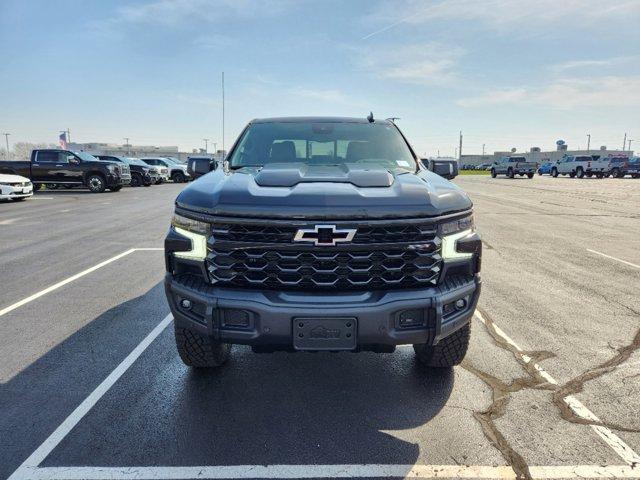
(200, 166)
(73, 160)
(448, 170)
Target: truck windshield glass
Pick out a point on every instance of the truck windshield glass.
(86, 157)
(323, 143)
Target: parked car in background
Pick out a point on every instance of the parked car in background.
(619, 167)
(168, 169)
(139, 170)
(15, 187)
(512, 166)
(483, 166)
(579, 166)
(545, 168)
(69, 169)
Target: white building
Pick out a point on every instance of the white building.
(536, 155)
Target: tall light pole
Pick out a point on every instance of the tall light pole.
(460, 147)
(206, 145)
(126, 139)
(483, 149)
(627, 141)
(588, 142)
(6, 139)
(624, 142)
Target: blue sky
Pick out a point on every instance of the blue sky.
(506, 73)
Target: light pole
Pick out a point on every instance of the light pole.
(588, 142)
(206, 145)
(6, 139)
(483, 150)
(627, 141)
(126, 139)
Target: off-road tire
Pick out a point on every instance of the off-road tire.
(200, 351)
(96, 183)
(510, 173)
(572, 174)
(493, 173)
(448, 352)
(136, 180)
(580, 172)
(530, 175)
(554, 172)
(178, 177)
(616, 173)
(117, 188)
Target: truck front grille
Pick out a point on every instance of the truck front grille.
(380, 257)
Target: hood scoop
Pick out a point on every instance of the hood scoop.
(291, 174)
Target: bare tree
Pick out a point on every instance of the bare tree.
(22, 150)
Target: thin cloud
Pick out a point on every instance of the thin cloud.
(505, 15)
(565, 94)
(593, 63)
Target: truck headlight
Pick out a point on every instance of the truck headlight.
(194, 230)
(453, 231)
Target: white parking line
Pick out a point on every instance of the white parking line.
(623, 450)
(322, 471)
(72, 278)
(8, 221)
(613, 258)
(81, 410)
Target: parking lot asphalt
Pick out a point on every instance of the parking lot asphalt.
(91, 385)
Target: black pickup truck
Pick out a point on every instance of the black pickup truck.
(65, 168)
(321, 234)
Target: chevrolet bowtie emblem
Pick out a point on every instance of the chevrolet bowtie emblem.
(325, 235)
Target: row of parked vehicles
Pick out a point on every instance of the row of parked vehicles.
(67, 169)
(592, 166)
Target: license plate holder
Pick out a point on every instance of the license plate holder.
(317, 333)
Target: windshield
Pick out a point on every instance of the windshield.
(135, 161)
(323, 143)
(86, 157)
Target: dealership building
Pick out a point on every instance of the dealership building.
(536, 155)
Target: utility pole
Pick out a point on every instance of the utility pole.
(6, 139)
(206, 145)
(215, 147)
(68, 135)
(127, 144)
(624, 142)
(588, 142)
(460, 146)
(627, 141)
(483, 149)
(223, 114)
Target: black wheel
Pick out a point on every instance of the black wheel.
(539, 172)
(148, 184)
(493, 173)
(116, 189)
(589, 174)
(178, 177)
(20, 199)
(510, 173)
(96, 183)
(554, 172)
(530, 175)
(199, 351)
(635, 175)
(448, 352)
(36, 187)
(616, 173)
(572, 174)
(580, 172)
(136, 180)
(160, 181)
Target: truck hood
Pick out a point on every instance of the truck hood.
(323, 192)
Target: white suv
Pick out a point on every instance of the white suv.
(175, 171)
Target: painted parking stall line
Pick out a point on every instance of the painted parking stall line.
(325, 471)
(72, 278)
(81, 410)
(614, 258)
(624, 451)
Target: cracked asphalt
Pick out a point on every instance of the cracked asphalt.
(575, 313)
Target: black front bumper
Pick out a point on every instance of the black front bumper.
(268, 316)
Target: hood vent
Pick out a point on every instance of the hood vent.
(291, 174)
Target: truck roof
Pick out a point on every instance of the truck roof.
(311, 120)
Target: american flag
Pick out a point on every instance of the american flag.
(63, 140)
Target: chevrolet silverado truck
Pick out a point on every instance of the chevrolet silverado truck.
(56, 168)
(321, 234)
(581, 165)
(512, 166)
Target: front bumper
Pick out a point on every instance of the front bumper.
(10, 191)
(270, 314)
(115, 180)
